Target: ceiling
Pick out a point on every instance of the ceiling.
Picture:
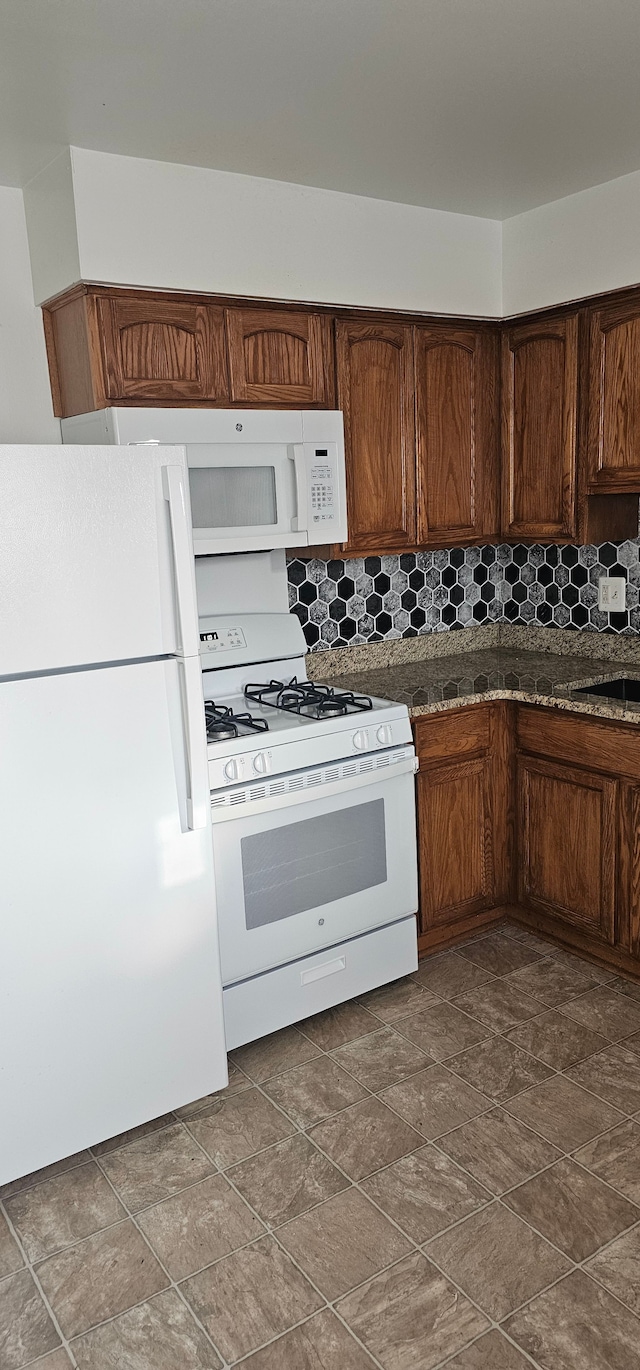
(484, 107)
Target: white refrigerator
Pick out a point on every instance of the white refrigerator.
(110, 990)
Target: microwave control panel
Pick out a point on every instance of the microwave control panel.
(322, 487)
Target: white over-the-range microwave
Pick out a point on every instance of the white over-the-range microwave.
(259, 478)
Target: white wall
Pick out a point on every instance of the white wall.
(51, 227)
(577, 246)
(125, 220)
(160, 224)
(26, 413)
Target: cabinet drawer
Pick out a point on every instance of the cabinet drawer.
(443, 736)
(580, 740)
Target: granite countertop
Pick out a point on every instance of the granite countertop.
(502, 667)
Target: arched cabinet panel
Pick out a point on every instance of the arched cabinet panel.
(163, 350)
(375, 392)
(539, 429)
(614, 399)
(457, 435)
(280, 357)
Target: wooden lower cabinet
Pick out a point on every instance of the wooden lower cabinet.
(531, 812)
(567, 844)
(463, 805)
(629, 876)
(456, 841)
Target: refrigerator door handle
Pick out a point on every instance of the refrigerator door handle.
(173, 485)
(198, 795)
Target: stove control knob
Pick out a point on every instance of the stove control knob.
(360, 740)
(262, 763)
(384, 735)
(234, 768)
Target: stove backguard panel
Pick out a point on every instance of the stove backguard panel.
(367, 599)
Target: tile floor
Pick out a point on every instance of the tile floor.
(446, 1173)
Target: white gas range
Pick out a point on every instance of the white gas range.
(313, 820)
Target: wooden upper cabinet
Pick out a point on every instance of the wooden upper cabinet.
(613, 400)
(277, 357)
(157, 349)
(375, 392)
(133, 347)
(457, 385)
(567, 844)
(539, 433)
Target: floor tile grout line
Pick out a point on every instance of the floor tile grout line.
(494, 1322)
(442, 1365)
(356, 1184)
(273, 1233)
(628, 1117)
(172, 1284)
(28, 1266)
(266, 1233)
(527, 1223)
(303, 1322)
(27, 1188)
(303, 1131)
(420, 1248)
(572, 1156)
(348, 1178)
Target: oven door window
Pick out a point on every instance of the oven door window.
(303, 865)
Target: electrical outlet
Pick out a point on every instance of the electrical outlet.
(612, 594)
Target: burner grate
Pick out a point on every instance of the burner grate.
(307, 698)
(222, 723)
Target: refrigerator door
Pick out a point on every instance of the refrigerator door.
(110, 989)
(96, 556)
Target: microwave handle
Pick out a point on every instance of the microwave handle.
(301, 523)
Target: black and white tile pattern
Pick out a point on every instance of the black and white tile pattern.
(366, 599)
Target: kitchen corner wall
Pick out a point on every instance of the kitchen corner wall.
(26, 410)
(365, 599)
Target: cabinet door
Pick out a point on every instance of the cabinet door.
(280, 358)
(375, 392)
(457, 435)
(164, 350)
(567, 839)
(614, 398)
(540, 385)
(628, 931)
(455, 843)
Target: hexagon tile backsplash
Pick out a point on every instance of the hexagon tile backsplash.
(366, 599)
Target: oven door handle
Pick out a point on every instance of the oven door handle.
(235, 809)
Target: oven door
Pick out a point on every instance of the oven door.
(304, 861)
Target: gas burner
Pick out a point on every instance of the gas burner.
(308, 699)
(222, 723)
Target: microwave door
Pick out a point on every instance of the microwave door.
(245, 497)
